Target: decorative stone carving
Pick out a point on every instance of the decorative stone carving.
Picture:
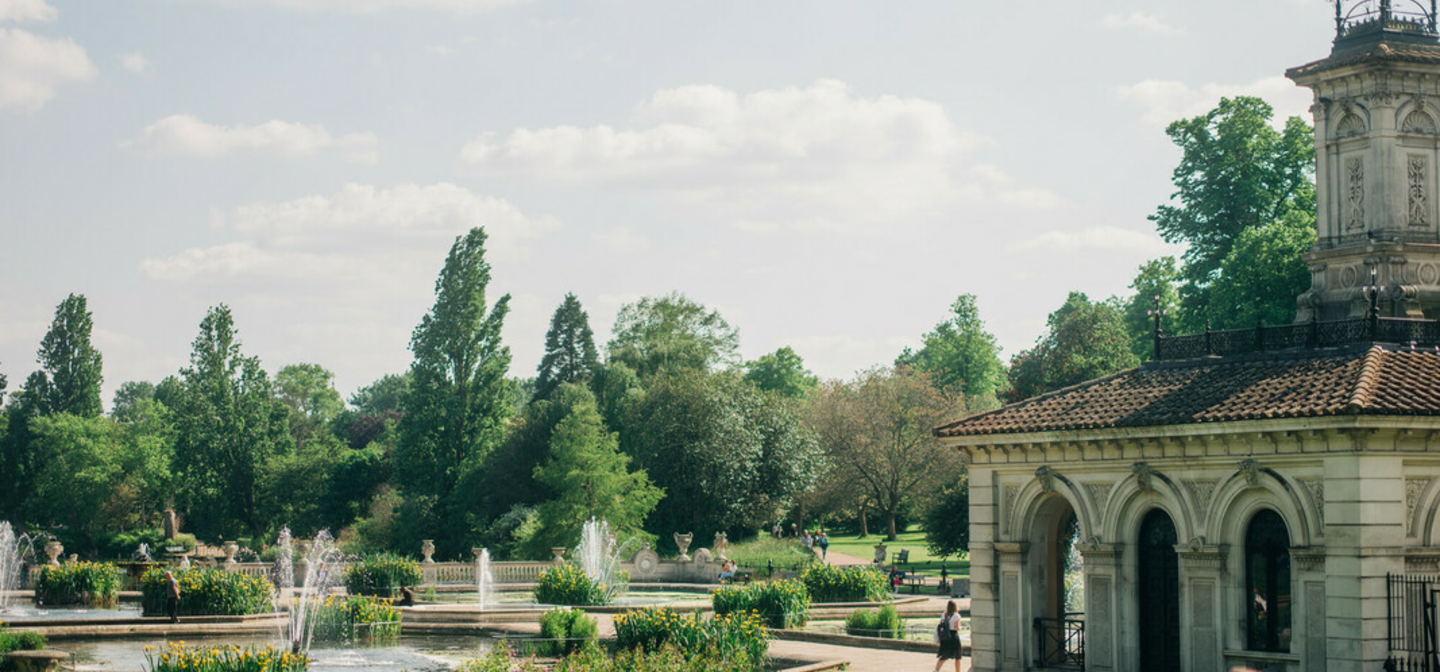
(682, 541)
(1428, 274)
(1046, 476)
(1308, 559)
(1011, 494)
(1316, 488)
(1201, 491)
(1350, 125)
(427, 549)
(1250, 470)
(172, 524)
(559, 553)
(1419, 122)
(53, 549)
(1419, 207)
(1100, 493)
(1414, 488)
(230, 548)
(722, 544)
(880, 552)
(646, 560)
(1198, 555)
(704, 557)
(1355, 200)
(1144, 474)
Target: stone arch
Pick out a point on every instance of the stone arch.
(1240, 497)
(1417, 117)
(1132, 500)
(1033, 496)
(1353, 122)
(1424, 521)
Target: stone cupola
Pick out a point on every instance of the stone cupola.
(1377, 145)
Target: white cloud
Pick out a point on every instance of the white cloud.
(1164, 101)
(989, 181)
(186, 135)
(27, 10)
(361, 234)
(1099, 238)
(624, 239)
(819, 153)
(1140, 21)
(33, 67)
(368, 6)
(135, 62)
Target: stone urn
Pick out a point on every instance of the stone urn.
(54, 549)
(302, 548)
(427, 548)
(880, 551)
(558, 552)
(230, 548)
(722, 544)
(683, 542)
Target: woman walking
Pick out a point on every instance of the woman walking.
(947, 633)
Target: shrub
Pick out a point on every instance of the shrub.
(179, 658)
(592, 658)
(351, 618)
(382, 575)
(883, 623)
(23, 640)
(786, 554)
(565, 631)
(653, 629)
(781, 604)
(830, 583)
(207, 591)
(94, 584)
(568, 585)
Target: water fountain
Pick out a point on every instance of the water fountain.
(599, 555)
(484, 580)
(142, 553)
(14, 549)
(321, 565)
(284, 569)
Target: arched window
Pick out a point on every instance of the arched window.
(1267, 582)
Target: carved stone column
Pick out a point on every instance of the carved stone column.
(1010, 558)
(1101, 562)
(1203, 575)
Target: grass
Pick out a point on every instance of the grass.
(913, 539)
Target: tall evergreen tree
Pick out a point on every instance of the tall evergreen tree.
(570, 355)
(228, 426)
(460, 397)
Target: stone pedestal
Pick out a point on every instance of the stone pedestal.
(427, 548)
(54, 549)
(682, 541)
(230, 548)
(880, 552)
(558, 552)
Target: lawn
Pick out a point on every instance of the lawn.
(913, 539)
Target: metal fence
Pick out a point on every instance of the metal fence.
(1394, 330)
(1410, 622)
(1060, 642)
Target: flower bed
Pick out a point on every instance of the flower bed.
(780, 604)
(206, 591)
(829, 583)
(382, 575)
(568, 585)
(94, 584)
(883, 623)
(653, 629)
(592, 658)
(351, 618)
(179, 658)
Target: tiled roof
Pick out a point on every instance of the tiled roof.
(1377, 381)
(1383, 52)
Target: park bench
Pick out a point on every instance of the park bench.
(902, 557)
(916, 582)
(743, 576)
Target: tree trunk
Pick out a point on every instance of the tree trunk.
(890, 534)
(864, 527)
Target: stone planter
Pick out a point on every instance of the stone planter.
(54, 549)
(36, 661)
(558, 552)
(230, 548)
(427, 548)
(683, 542)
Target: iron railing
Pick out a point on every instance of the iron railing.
(1410, 622)
(1393, 330)
(1354, 17)
(1060, 642)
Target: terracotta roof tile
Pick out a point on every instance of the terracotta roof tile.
(1377, 381)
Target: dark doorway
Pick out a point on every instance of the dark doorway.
(1159, 588)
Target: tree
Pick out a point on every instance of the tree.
(959, 353)
(80, 469)
(570, 354)
(877, 431)
(308, 390)
(1084, 340)
(782, 372)
(228, 425)
(384, 395)
(1236, 172)
(947, 522)
(1263, 273)
(129, 397)
(70, 366)
(671, 332)
(1155, 287)
(590, 477)
(459, 395)
(729, 457)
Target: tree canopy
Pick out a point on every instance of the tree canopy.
(1084, 340)
(782, 372)
(959, 353)
(671, 332)
(570, 354)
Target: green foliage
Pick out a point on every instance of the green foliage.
(588, 473)
(593, 658)
(782, 372)
(128, 397)
(207, 591)
(884, 623)
(1084, 340)
(382, 575)
(179, 658)
(834, 583)
(671, 332)
(228, 425)
(1263, 273)
(356, 618)
(1157, 278)
(727, 456)
(308, 390)
(94, 584)
(17, 640)
(959, 353)
(570, 354)
(460, 397)
(568, 585)
(947, 522)
(726, 634)
(760, 552)
(779, 604)
(386, 394)
(509, 533)
(567, 629)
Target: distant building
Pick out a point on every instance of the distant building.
(1262, 499)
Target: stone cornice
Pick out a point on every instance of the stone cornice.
(1012, 548)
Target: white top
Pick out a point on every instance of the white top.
(954, 621)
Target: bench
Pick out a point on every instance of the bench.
(916, 582)
(902, 557)
(743, 576)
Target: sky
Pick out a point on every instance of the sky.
(828, 174)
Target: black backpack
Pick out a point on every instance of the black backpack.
(943, 633)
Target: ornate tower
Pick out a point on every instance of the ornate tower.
(1377, 145)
